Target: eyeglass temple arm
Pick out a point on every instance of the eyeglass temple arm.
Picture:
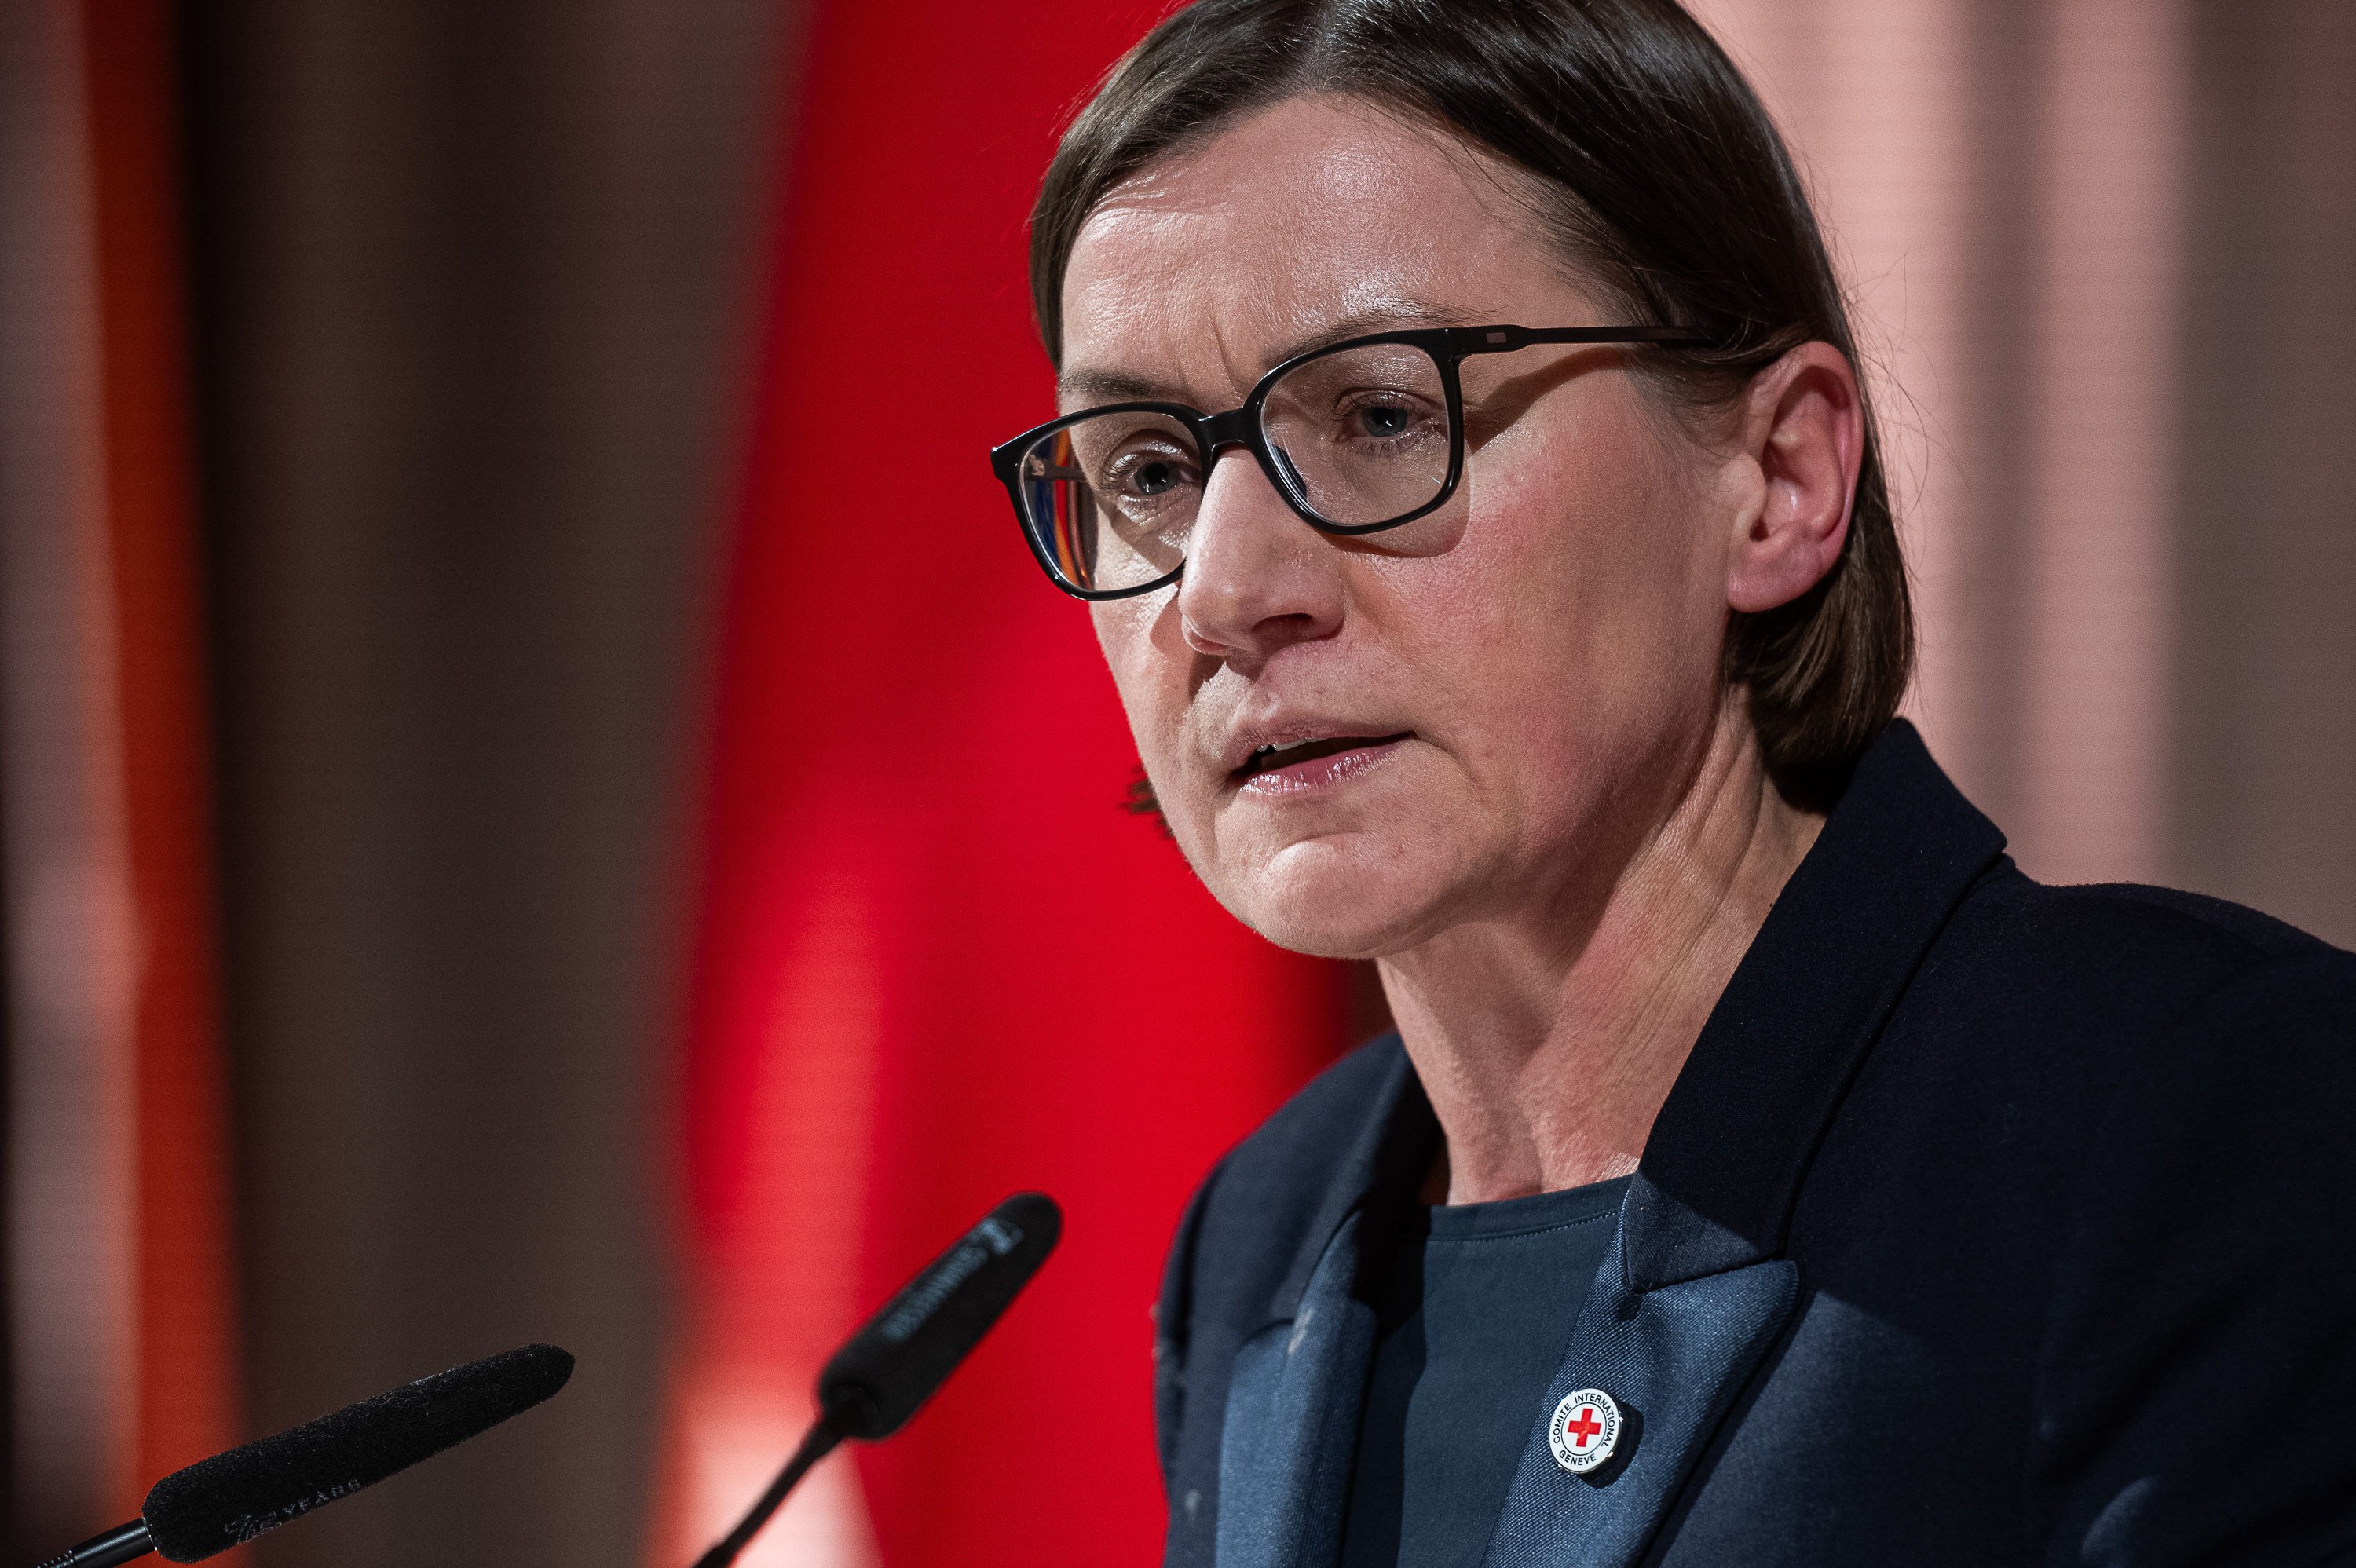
(1505, 339)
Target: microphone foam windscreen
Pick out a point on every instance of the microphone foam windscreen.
(231, 1497)
(906, 1351)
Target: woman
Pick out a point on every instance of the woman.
(1464, 461)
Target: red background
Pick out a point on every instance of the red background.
(912, 723)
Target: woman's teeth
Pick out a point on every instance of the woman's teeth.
(1292, 751)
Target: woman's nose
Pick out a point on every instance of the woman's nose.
(1257, 578)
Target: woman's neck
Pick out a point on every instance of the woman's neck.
(1549, 1039)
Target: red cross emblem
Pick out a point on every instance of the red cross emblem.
(1585, 1430)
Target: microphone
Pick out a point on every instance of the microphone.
(885, 1371)
(231, 1497)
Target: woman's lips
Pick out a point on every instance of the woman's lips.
(1314, 765)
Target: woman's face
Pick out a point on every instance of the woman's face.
(1498, 701)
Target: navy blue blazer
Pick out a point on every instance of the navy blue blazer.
(1989, 1223)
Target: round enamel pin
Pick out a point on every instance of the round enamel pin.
(1585, 1427)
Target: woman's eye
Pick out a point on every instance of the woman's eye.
(1384, 418)
(1146, 476)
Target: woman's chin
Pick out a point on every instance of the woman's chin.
(1321, 899)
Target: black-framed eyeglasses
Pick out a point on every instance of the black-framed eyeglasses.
(1357, 437)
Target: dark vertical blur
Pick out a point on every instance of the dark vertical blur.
(471, 286)
(2265, 757)
(14, 1525)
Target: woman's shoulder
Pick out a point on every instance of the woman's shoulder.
(1264, 1209)
(2146, 953)
(2164, 919)
(1271, 1202)
(2065, 999)
(1290, 1164)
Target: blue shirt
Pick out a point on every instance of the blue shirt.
(1474, 1311)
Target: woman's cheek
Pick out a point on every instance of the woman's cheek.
(1153, 697)
(1126, 640)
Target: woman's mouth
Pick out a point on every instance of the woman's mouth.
(1301, 765)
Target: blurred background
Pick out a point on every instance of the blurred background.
(484, 860)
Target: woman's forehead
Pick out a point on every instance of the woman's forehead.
(1305, 218)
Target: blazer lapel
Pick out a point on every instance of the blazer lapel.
(1695, 1292)
(1289, 1435)
(1673, 1359)
(1291, 1428)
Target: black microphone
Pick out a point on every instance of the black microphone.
(879, 1377)
(231, 1497)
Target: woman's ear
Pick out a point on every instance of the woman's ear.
(1804, 426)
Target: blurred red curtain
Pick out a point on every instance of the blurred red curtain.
(935, 961)
(185, 1323)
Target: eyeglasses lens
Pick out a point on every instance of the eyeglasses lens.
(1112, 498)
(1361, 434)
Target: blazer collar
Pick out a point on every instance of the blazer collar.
(1379, 1178)
(1726, 1157)
(1723, 1167)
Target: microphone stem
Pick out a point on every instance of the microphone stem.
(121, 1544)
(816, 1443)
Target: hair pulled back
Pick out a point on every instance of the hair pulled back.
(1663, 179)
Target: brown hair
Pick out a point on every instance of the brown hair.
(1661, 175)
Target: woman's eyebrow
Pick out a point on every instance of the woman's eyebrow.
(1390, 315)
(1111, 387)
(1108, 385)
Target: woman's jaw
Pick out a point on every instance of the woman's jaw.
(1362, 744)
(1395, 837)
